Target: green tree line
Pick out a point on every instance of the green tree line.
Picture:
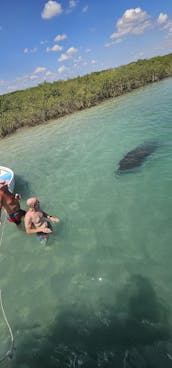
(53, 100)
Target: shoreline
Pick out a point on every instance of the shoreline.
(50, 101)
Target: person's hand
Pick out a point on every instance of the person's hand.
(0, 222)
(18, 196)
(54, 219)
(46, 230)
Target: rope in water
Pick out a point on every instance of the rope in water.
(9, 353)
(2, 232)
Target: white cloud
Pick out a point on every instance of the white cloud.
(71, 51)
(119, 40)
(72, 3)
(51, 9)
(55, 48)
(39, 69)
(164, 23)
(62, 69)
(162, 18)
(133, 21)
(39, 75)
(26, 50)
(84, 10)
(33, 76)
(48, 73)
(71, 6)
(136, 21)
(60, 37)
(63, 57)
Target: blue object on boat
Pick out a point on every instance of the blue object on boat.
(6, 176)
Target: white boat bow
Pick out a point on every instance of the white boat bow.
(7, 174)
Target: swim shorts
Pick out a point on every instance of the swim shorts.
(16, 216)
(44, 236)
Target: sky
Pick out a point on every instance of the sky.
(53, 40)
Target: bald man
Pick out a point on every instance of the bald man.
(35, 219)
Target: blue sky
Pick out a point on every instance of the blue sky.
(51, 40)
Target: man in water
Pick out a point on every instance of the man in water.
(35, 219)
(10, 203)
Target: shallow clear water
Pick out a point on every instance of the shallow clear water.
(99, 294)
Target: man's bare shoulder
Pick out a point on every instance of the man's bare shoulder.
(28, 216)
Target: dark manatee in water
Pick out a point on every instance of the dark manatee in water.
(136, 157)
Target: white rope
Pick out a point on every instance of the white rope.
(125, 359)
(2, 232)
(9, 353)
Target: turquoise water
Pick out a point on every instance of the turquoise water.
(99, 294)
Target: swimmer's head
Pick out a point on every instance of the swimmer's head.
(32, 202)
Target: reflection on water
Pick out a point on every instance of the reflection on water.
(99, 295)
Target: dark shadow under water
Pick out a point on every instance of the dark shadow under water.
(22, 187)
(134, 333)
(136, 157)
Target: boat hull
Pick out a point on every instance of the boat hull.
(7, 174)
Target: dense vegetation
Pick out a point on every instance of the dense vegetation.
(53, 100)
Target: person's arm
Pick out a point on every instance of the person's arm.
(51, 218)
(38, 229)
(18, 196)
